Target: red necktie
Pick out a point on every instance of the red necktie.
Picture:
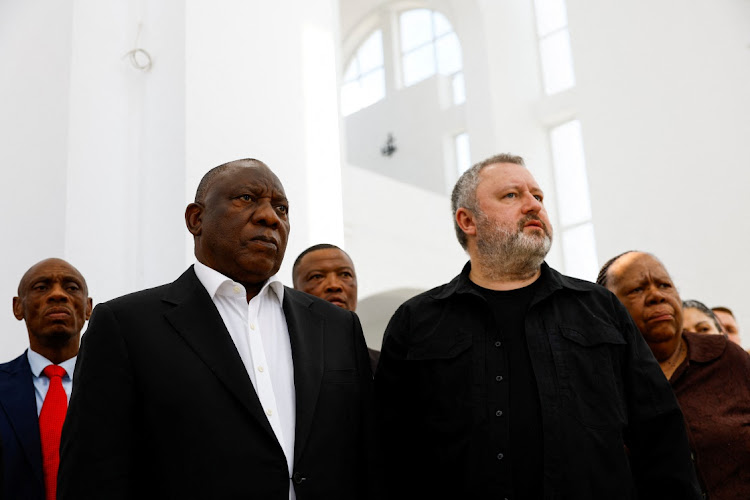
(51, 420)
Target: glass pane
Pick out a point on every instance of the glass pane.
(372, 87)
(459, 89)
(419, 65)
(351, 71)
(370, 53)
(463, 154)
(550, 16)
(579, 252)
(442, 25)
(349, 98)
(416, 28)
(571, 182)
(557, 62)
(448, 51)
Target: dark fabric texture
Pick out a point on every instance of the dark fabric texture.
(163, 406)
(611, 425)
(713, 388)
(19, 431)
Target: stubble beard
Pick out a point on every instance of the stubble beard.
(511, 255)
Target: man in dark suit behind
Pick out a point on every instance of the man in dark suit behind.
(223, 384)
(53, 301)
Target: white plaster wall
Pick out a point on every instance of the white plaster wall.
(35, 42)
(664, 106)
(261, 82)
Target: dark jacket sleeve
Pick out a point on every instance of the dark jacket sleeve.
(96, 444)
(660, 456)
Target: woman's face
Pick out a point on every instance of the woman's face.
(695, 320)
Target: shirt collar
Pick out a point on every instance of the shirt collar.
(38, 363)
(216, 283)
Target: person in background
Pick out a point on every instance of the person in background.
(327, 272)
(53, 300)
(698, 318)
(709, 374)
(514, 381)
(729, 323)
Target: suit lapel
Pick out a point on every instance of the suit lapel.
(199, 323)
(306, 337)
(18, 401)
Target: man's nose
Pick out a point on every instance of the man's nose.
(333, 284)
(57, 292)
(266, 214)
(532, 204)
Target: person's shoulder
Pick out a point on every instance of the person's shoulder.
(316, 304)
(186, 284)
(14, 364)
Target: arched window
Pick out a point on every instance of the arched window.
(364, 79)
(428, 46)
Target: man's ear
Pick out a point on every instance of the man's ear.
(466, 221)
(17, 308)
(193, 218)
(89, 308)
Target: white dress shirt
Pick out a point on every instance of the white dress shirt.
(260, 334)
(38, 363)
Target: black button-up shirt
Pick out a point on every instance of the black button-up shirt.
(611, 427)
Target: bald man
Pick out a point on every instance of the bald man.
(35, 387)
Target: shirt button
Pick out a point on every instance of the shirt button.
(499, 413)
(500, 456)
(260, 369)
(252, 326)
(236, 289)
(498, 343)
(269, 412)
(499, 378)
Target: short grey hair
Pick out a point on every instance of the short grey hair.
(464, 193)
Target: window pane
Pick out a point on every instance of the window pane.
(459, 89)
(351, 71)
(349, 98)
(370, 53)
(372, 87)
(419, 65)
(550, 16)
(416, 28)
(463, 154)
(570, 173)
(442, 25)
(557, 62)
(448, 51)
(579, 252)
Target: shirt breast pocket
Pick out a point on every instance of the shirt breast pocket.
(589, 369)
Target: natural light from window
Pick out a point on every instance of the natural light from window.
(364, 79)
(554, 46)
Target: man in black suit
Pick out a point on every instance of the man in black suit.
(223, 384)
(53, 301)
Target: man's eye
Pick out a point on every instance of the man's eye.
(346, 274)
(283, 209)
(636, 290)
(510, 195)
(73, 288)
(665, 285)
(39, 288)
(246, 197)
(539, 197)
(316, 276)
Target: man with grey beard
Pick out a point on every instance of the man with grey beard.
(514, 381)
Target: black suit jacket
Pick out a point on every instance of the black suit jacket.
(163, 406)
(21, 472)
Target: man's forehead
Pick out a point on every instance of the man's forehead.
(50, 269)
(247, 174)
(326, 256)
(508, 173)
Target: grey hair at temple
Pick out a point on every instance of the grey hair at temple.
(464, 193)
